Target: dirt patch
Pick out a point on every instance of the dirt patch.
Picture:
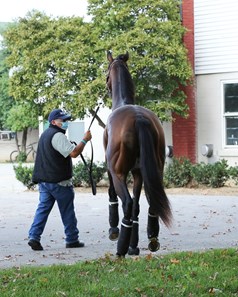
(228, 190)
(223, 191)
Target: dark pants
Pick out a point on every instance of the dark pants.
(49, 193)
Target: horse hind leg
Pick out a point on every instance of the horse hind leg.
(153, 232)
(133, 248)
(113, 211)
(126, 223)
(124, 238)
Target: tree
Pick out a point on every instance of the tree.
(20, 118)
(6, 101)
(152, 33)
(13, 114)
(64, 59)
(53, 62)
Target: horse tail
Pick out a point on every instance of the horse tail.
(152, 173)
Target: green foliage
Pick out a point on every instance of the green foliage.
(6, 101)
(234, 174)
(178, 173)
(181, 172)
(212, 175)
(53, 61)
(195, 274)
(21, 157)
(81, 175)
(21, 116)
(152, 33)
(64, 60)
(24, 174)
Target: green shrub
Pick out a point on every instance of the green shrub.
(81, 174)
(202, 173)
(24, 175)
(181, 172)
(178, 173)
(220, 174)
(21, 157)
(213, 175)
(233, 171)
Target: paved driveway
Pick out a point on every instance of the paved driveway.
(200, 222)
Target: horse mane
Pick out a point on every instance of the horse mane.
(125, 78)
(130, 87)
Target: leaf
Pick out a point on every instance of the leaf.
(214, 291)
(174, 261)
(149, 256)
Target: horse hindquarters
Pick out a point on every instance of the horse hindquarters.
(118, 188)
(151, 171)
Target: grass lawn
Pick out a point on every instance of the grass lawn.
(211, 273)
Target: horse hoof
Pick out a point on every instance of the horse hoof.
(113, 234)
(133, 251)
(154, 245)
(119, 256)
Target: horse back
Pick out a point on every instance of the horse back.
(121, 139)
(121, 122)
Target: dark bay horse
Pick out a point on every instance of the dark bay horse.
(134, 142)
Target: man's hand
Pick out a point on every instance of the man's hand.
(79, 148)
(87, 136)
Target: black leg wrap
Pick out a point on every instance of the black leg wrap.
(133, 249)
(153, 226)
(124, 238)
(113, 220)
(153, 232)
(113, 214)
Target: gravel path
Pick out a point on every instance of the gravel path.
(201, 221)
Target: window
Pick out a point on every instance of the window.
(230, 91)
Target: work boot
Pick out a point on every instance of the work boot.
(35, 245)
(76, 244)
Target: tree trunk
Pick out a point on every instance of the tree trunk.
(17, 142)
(24, 139)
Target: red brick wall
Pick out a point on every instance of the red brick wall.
(184, 130)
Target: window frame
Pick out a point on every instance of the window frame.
(225, 115)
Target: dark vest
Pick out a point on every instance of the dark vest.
(50, 165)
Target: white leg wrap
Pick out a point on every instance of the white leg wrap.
(112, 203)
(127, 226)
(152, 216)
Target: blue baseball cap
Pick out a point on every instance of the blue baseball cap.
(58, 114)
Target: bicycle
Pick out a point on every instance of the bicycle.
(30, 149)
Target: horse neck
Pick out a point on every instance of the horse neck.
(122, 90)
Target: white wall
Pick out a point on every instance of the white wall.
(210, 117)
(216, 39)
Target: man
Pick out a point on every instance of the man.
(53, 172)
